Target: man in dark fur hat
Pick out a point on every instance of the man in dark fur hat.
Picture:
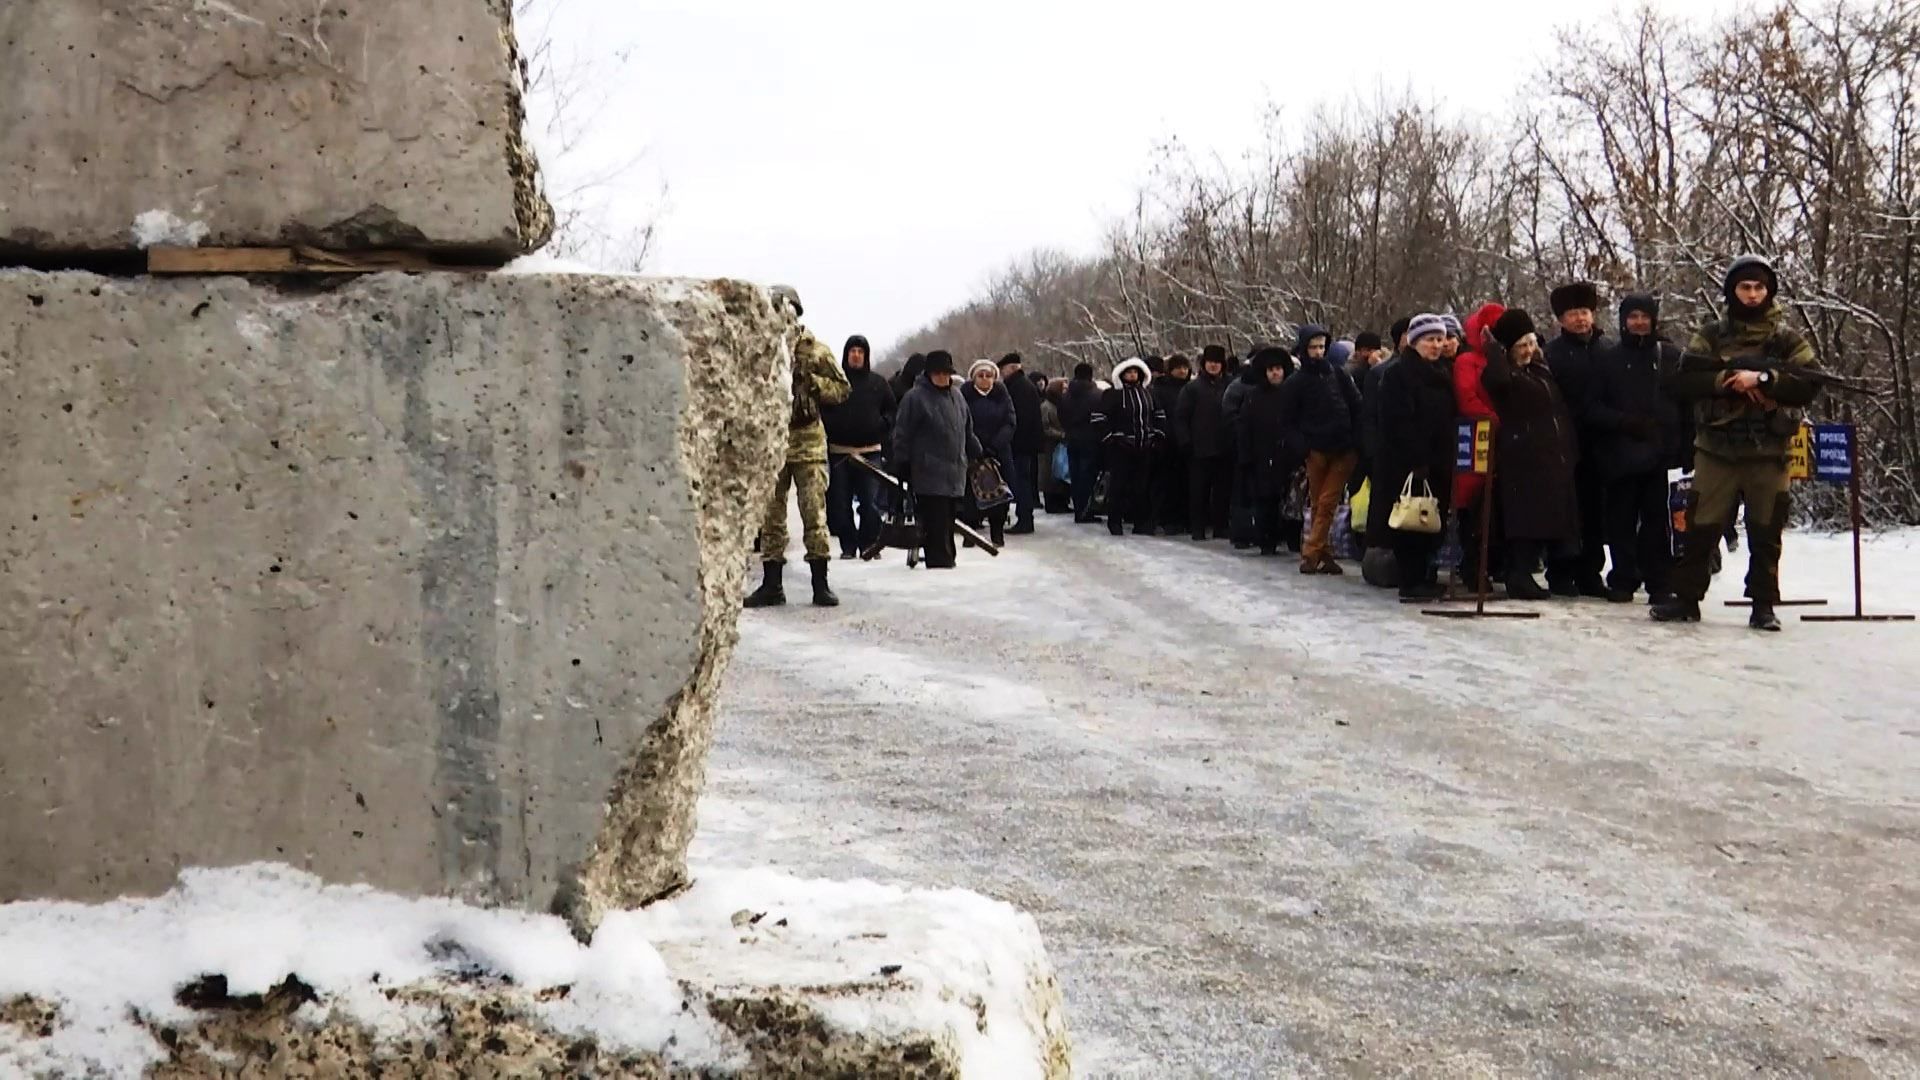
(1573, 357)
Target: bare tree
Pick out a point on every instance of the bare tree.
(568, 91)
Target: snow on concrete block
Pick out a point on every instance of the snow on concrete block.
(749, 974)
(425, 582)
(345, 124)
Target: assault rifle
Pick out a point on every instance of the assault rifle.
(1695, 362)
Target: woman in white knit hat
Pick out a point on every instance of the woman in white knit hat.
(994, 421)
(1418, 439)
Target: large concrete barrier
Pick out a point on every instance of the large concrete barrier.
(424, 582)
(347, 124)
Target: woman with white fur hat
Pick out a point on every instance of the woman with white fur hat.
(1132, 427)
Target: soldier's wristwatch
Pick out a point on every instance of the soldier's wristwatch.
(1766, 378)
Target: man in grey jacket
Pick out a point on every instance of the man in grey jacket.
(933, 441)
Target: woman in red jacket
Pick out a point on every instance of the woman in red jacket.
(1475, 404)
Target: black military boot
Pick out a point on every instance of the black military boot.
(1763, 617)
(822, 595)
(1675, 610)
(1522, 586)
(772, 591)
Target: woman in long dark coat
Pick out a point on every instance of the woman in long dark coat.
(994, 422)
(1418, 438)
(1535, 453)
(1265, 454)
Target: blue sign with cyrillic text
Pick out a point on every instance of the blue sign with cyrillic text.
(1833, 453)
(1463, 454)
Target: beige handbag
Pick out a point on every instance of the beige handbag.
(1415, 513)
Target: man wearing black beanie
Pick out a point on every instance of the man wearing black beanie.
(1740, 373)
(1027, 439)
(1201, 431)
(1638, 434)
(1077, 408)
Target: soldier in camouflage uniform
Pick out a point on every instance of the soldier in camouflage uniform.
(817, 381)
(1739, 372)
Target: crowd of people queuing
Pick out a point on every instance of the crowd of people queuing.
(1263, 451)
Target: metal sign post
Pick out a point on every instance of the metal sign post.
(1476, 456)
(1836, 460)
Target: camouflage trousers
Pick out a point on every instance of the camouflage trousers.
(809, 480)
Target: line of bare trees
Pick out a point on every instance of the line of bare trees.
(1651, 154)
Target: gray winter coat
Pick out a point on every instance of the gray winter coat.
(933, 439)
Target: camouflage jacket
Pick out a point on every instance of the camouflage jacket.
(817, 381)
(1727, 424)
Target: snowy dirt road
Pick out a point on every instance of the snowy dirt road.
(1276, 826)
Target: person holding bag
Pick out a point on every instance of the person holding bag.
(996, 424)
(933, 440)
(1417, 444)
(1538, 450)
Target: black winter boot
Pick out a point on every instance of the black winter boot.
(822, 595)
(1675, 610)
(1763, 617)
(772, 591)
(1522, 586)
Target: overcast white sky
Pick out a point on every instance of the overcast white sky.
(884, 157)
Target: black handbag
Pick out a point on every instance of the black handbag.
(898, 529)
(988, 487)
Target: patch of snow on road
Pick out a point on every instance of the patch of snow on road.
(163, 228)
(930, 957)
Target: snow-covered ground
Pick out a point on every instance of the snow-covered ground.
(1275, 825)
(873, 960)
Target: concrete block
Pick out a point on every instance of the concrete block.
(344, 124)
(425, 582)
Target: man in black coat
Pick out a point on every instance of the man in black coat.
(1200, 430)
(1028, 437)
(1170, 464)
(1320, 419)
(1639, 432)
(861, 424)
(1078, 409)
(1573, 357)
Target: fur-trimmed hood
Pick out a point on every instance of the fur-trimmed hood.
(1146, 373)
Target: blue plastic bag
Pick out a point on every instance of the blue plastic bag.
(1061, 470)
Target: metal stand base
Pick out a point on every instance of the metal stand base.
(1780, 603)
